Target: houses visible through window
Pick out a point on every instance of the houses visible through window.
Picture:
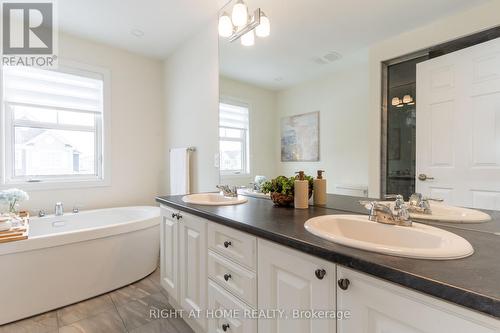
(53, 123)
(233, 139)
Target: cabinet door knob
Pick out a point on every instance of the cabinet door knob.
(174, 215)
(179, 216)
(344, 284)
(320, 273)
(225, 327)
(227, 244)
(227, 276)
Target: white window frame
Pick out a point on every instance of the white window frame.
(102, 141)
(245, 172)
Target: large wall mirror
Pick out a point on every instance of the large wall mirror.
(297, 97)
(289, 90)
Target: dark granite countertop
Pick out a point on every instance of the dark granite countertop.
(472, 282)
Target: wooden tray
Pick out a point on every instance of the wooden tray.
(20, 232)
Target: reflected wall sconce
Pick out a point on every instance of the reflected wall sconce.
(406, 100)
(242, 25)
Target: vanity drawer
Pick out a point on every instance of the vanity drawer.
(220, 299)
(233, 244)
(238, 280)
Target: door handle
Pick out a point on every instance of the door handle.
(423, 177)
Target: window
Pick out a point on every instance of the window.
(233, 139)
(53, 125)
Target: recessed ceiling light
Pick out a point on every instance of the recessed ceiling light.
(332, 56)
(137, 32)
(327, 58)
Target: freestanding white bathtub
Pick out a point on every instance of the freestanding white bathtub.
(73, 257)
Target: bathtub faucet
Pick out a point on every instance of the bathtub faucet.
(59, 209)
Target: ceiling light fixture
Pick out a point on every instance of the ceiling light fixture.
(240, 24)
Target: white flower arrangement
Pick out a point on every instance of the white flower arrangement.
(12, 197)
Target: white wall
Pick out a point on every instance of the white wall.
(445, 29)
(263, 126)
(136, 130)
(342, 101)
(191, 106)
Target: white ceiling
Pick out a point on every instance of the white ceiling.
(165, 23)
(304, 30)
(301, 30)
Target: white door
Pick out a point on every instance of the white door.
(193, 265)
(287, 281)
(458, 127)
(377, 306)
(169, 252)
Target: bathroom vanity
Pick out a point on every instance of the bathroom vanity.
(255, 258)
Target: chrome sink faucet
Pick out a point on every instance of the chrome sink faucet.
(383, 213)
(59, 209)
(228, 191)
(420, 204)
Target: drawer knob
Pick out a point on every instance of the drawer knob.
(227, 276)
(344, 284)
(320, 273)
(225, 327)
(227, 244)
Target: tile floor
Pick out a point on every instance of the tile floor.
(123, 310)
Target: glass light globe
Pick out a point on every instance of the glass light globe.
(264, 28)
(240, 14)
(248, 39)
(407, 99)
(395, 101)
(225, 26)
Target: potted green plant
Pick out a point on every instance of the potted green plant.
(281, 190)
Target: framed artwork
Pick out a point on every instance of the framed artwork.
(300, 138)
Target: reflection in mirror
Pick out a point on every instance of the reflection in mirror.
(285, 102)
(300, 97)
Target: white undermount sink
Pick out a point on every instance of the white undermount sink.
(418, 241)
(212, 199)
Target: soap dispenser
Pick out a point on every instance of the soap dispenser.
(301, 191)
(319, 188)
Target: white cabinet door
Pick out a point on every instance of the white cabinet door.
(169, 252)
(193, 265)
(287, 281)
(377, 306)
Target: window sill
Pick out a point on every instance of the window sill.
(55, 185)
